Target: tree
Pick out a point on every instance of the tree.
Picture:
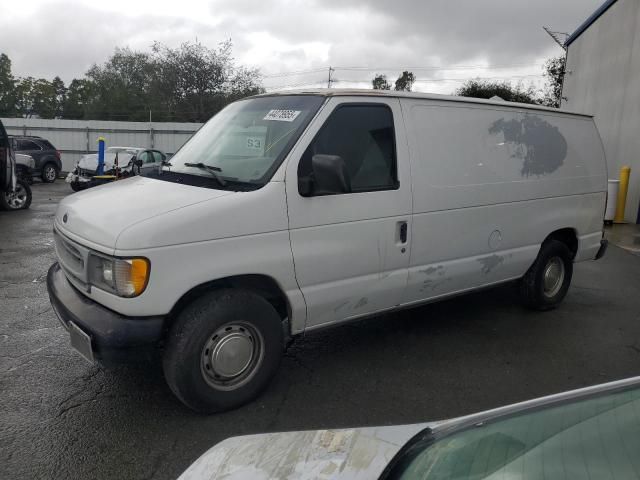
(380, 82)
(504, 90)
(60, 95)
(554, 70)
(120, 87)
(188, 83)
(7, 87)
(76, 99)
(405, 81)
(199, 81)
(43, 99)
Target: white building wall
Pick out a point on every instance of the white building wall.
(603, 79)
(74, 138)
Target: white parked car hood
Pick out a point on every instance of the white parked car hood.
(360, 453)
(101, 213)
(90, 161)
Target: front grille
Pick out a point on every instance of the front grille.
(85, 172)
(72, 258)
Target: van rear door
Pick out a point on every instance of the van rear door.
(6, 161)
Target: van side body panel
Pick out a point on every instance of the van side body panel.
(489, 185)
(206, 257)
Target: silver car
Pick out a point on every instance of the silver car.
(130, 160)
(588, 433)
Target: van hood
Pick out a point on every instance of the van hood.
(101, 213)
(360, 453)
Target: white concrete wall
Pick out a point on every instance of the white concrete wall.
(74, 138)
(603, 79)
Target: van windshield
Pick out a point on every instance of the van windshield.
(247, 141)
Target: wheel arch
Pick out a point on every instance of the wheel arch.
(49, 160)
(260, 284)
(568, 236)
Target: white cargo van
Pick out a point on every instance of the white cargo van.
(293, 212)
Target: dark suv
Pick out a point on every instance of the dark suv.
(47, 158)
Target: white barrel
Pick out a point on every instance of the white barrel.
(612, 199)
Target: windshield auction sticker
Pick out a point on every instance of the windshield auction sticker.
(282, 115)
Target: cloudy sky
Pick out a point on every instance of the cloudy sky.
(293, 42)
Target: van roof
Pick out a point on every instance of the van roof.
(342, 92)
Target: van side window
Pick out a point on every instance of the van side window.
(363, 137)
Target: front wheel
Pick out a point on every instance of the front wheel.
(223, 350)
(546, 282)
(19, 199)
(78, 186)
(49, 173)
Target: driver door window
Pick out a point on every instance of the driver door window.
(363, 137)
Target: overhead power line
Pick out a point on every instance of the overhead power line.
(501, 77)
(402, 68)
(444, 67)
(298, 72)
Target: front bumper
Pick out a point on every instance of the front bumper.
(73, 177)
(114, 338)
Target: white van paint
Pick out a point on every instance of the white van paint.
(479, 185)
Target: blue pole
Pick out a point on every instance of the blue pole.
(100, 170)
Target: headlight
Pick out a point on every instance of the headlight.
(126, 277)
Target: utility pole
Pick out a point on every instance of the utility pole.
(330, 81)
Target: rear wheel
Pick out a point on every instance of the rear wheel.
(547, 281)
(223, 350)
(49, 173)
(19, 199)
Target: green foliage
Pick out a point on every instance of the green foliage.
(405, 81)
(213, 80)
(7, 87)
(188, 83)
(76, 99)
(554, 70)
(380, 82)
(504, 90)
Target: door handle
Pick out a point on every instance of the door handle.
(403, 231)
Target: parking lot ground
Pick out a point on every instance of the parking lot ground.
(61, 417)
(625, 235)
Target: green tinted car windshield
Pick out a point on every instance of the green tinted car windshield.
(598, 438)
(247, 141)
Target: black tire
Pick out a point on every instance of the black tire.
(203, 328)
(534, 291)
(77, 186)
(24, 174)
(18, 200)
(49, 173)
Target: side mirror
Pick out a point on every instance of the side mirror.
(330, 176)
(137, 163)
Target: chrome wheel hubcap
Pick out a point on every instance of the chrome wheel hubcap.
(553, 276)
(18, 198)
(231, 356)
(50, 173)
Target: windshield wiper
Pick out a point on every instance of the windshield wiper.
(212, 170)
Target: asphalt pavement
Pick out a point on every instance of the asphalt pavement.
(61, 417)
